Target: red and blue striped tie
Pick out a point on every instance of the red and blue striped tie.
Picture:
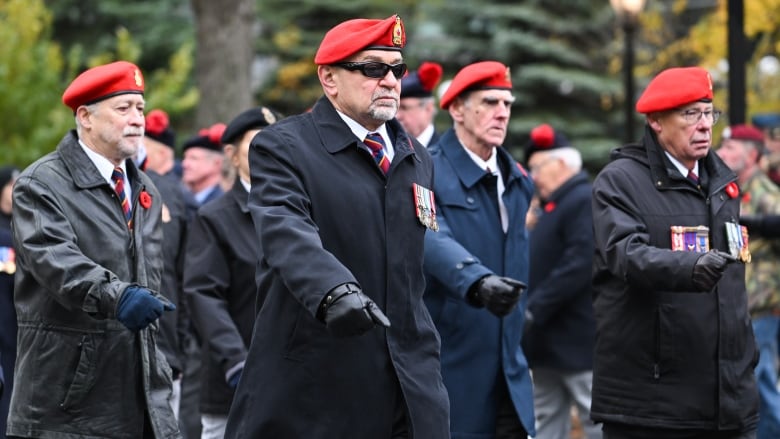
(377, 146)
(118, 177)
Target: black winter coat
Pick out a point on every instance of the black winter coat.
(559, 289)
(666, 355)
(219, 283)
(325, 215)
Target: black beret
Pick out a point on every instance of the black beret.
(544, 138)
(253, 118)
(207, 138)
(420, 84)
(158, 127)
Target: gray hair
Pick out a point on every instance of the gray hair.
(570, 157)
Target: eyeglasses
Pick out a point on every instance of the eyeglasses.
(374, 69)
(693, 115)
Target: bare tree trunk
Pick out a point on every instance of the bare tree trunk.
(223, 59)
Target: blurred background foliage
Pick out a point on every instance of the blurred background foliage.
(565, 57)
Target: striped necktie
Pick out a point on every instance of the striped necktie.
(693, 177)
(377, 146)
(118, 177)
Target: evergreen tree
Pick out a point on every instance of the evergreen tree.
(558, 52)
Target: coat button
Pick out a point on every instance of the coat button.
(469, 200)
(459, 266)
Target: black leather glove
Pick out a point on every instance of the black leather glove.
(709, 268)
(346, 311)
(496, 293)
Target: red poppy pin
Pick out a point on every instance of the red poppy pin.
(732, 190)
(746, 197)
(549, 207)
(145, 200)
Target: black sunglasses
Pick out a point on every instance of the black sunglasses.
(374, 69)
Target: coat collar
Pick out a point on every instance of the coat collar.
(85, 174)
(467, 171)
(239, 193)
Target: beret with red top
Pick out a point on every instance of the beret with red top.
(544, 138)
(103, 82)
(352, 36)
(420, 84)
(743, 132)
(158, 127)
(675, 87)
(478, 76)
(207, 138)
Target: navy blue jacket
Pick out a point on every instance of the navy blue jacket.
(559, 290)
(478, 348)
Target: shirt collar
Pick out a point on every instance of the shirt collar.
(425, 137)
(680, 167)
(360, 132)
(491, 163)
(103, 165)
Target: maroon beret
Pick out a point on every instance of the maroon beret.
(675, 87)
(103, 82)
(481, 75)
(352, 36)
(743, 132)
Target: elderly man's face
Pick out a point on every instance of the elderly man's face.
(114, 127)
(686, 140)
(483, 116)
(415, 114)
(369, 101)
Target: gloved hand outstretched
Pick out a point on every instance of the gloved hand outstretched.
(346, 311)
(496, 293)
(138, 307)
(709, 268)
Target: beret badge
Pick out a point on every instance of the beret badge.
(398, 32)
(268, 115)
(139, 80)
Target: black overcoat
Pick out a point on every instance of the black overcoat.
(219, 284)
(666, 355)
(325, 215)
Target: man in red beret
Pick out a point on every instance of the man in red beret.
(87, 227)
(342, 345)
(477, 264)
(675, 352)
(418, 106)
(741, 149)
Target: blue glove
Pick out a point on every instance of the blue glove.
(138, 307)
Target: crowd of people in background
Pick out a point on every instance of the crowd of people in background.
(355, 272)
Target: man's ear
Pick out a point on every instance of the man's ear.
(327, 77)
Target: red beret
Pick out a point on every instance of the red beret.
(481, 75)
(743, 132)
(675, 87)
(103, 82)
(350, 37)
